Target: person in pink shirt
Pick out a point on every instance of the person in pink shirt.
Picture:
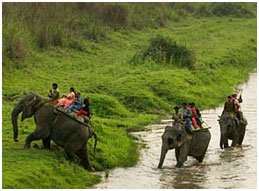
(67, 100)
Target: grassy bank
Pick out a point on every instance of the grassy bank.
(125, 96)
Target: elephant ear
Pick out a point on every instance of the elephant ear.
(182, 138)
(32, 101)
(34, 104)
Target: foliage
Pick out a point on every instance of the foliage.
(16, 41)
(203, 10)
(231, 9)
(124, 97)
(52, 23)
(164, 49)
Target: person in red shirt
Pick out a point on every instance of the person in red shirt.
(236, 101)
(85, 109)
(194, 116)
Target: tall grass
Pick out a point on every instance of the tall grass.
(51, 24)
(93, 55)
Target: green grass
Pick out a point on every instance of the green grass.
(124, 97)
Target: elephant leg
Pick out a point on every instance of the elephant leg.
(240, 141)
(46, 143)
(83, 154)
(200, 158)
(179, 164)
(225, 141)
(164, 150)
(241, 134)
(70, 156)
(183, 153)
(234, 143)
(177, 154)
(221, 142)
(41, 132)
(235, 139)
(29, 139)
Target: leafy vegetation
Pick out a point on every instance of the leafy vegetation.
(166, 50)
(90, 46)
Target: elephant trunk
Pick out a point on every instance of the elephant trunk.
(162, 157)
(18, 109)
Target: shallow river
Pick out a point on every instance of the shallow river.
(231, 168)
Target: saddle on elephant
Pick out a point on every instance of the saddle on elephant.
(73, 114)
(82, 118)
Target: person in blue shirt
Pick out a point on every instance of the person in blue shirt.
(77, 103)
(187, 114)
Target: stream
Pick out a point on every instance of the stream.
(221, 169)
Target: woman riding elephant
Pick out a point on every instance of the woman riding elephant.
(52, 125)
(67, 100)
(184, 144)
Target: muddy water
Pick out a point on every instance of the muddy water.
(232, 168)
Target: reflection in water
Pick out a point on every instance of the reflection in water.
(229, 168)
(185, 178)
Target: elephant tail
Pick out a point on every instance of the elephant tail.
(95, 137)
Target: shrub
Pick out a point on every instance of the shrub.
(231, 9)
(164, 49)
(203, 10)
(49, 34)
(107, 106)
(15, 41)
(95, 32)
(76, 45)
(116, 15)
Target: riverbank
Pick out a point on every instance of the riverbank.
(212, 173)
(124, 97)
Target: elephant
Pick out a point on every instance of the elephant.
(184, 144)
(231, 128)
(66, 132)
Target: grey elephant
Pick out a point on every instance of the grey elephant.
(184, 144)
(50, 125)
(232, 129)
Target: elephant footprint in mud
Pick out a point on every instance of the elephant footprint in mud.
(185, 145)
(64, 131)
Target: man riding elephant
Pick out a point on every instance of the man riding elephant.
(230, 126)
(184, 144)
(239, 113)
(229, 107)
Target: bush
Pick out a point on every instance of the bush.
(107, 106)
(49, 34)
(115, 15)
(164, 49)
(203, 11)
(231, 9)
(95, 32)
(76, 45)
(16, 41)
